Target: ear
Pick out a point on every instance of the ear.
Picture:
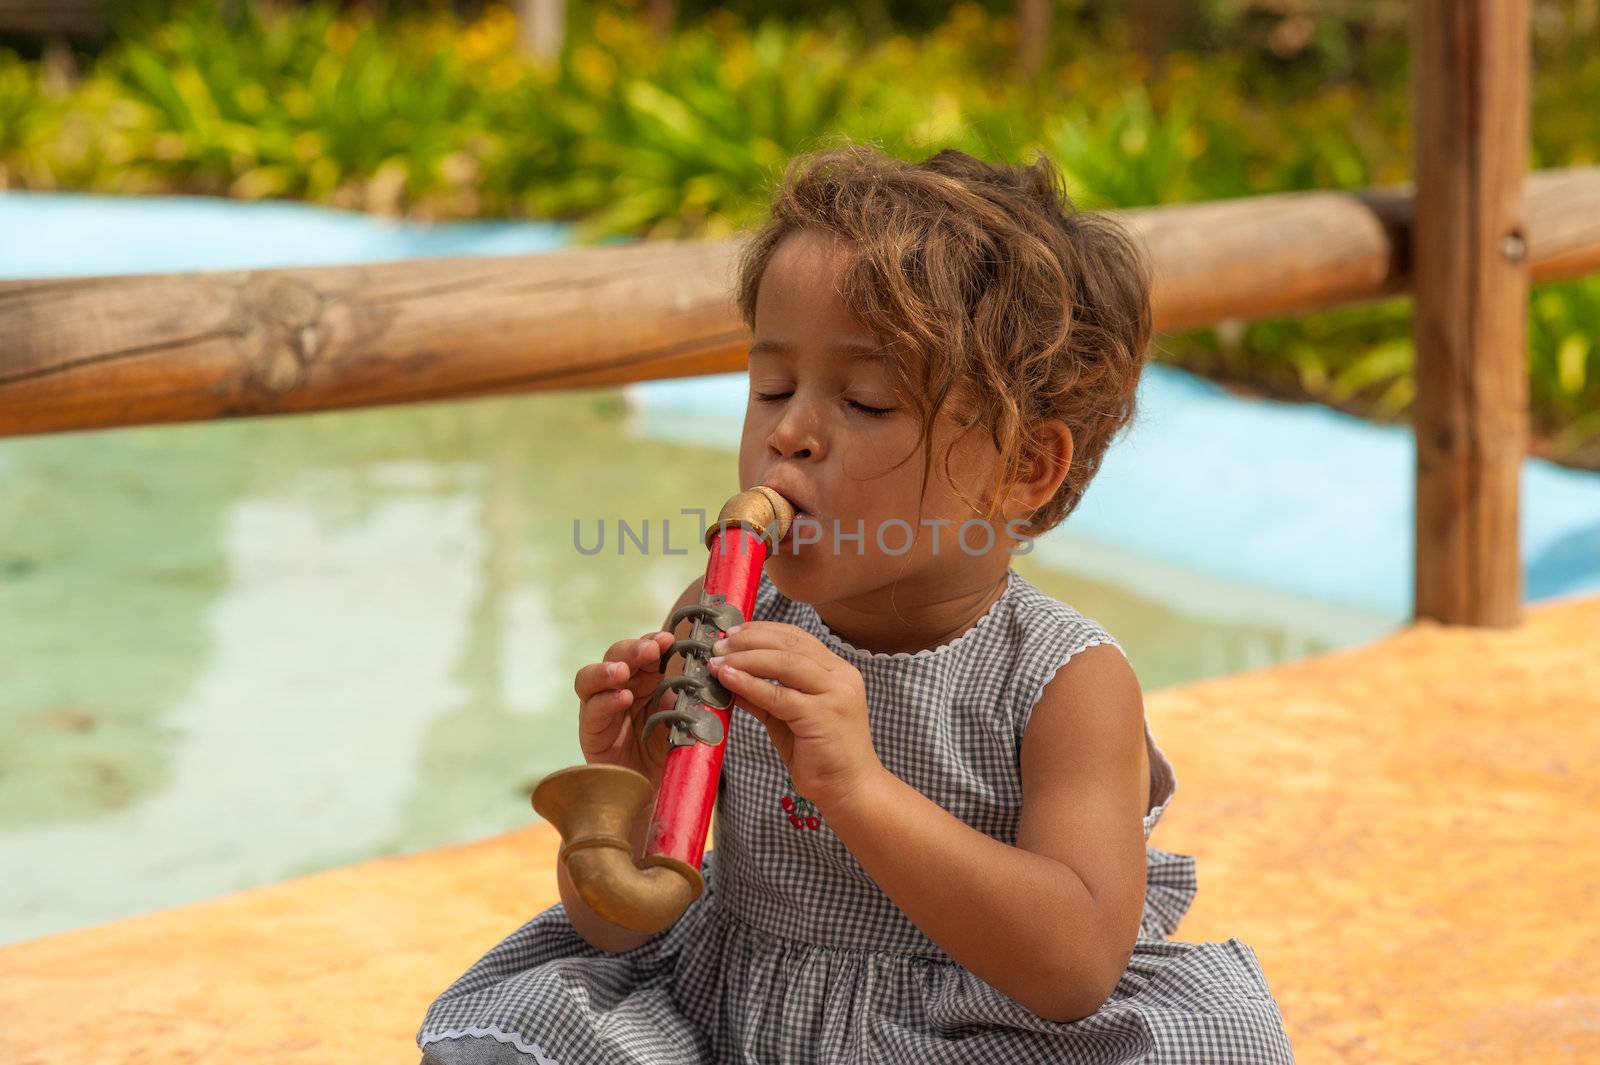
(1044, 473)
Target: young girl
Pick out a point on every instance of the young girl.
(931, 829)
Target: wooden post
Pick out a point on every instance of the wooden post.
(78, 18)
(1157, 24)
(1033, 35)
(663, 19)
(541, 27)
(1470, 254)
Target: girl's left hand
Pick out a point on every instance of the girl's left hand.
(817, 712)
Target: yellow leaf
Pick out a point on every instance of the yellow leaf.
(1571, 363)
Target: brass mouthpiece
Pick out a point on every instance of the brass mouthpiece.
(761, 509)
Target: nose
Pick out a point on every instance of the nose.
(797, 435)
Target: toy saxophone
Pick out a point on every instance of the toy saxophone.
(592, 806)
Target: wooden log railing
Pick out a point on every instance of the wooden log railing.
(83, 18)
(90, 353)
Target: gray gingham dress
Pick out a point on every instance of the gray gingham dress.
(793, 954)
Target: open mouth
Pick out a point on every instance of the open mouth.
(811, 525)
(788, 534)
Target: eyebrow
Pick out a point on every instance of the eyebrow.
(859, 349)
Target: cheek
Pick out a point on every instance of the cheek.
(752, 444)
(890, 455)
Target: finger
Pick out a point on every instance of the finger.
(647, 651)
(598, 716)
(600, 676)
(775, 634)
(755, 712)
(623, 661)
(788, 668)
(620, 651)
(649, 673)
(648, 696)
(755, 694)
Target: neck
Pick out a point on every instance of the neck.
(913, 615)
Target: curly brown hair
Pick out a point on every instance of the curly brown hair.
(988, 290)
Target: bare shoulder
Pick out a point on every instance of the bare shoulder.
(1090, 712)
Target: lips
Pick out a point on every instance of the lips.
(793, 525)
(795, 499)
(800, 507)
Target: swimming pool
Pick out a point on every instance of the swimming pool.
(244, 650)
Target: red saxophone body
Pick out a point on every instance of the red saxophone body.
(592, 806)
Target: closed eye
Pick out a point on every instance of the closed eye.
(875, 412)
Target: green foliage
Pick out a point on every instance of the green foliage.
(676, 139)
(424, 115)
(306, 105)
(21, 104)
(1564, 346)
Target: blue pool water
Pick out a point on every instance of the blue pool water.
(64, 235)
(1298, 498)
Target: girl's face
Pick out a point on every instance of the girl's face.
(825, 426)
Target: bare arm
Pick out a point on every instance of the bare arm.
(599, 932)
(1051, 922)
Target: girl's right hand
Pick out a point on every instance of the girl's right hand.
(611, 710)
